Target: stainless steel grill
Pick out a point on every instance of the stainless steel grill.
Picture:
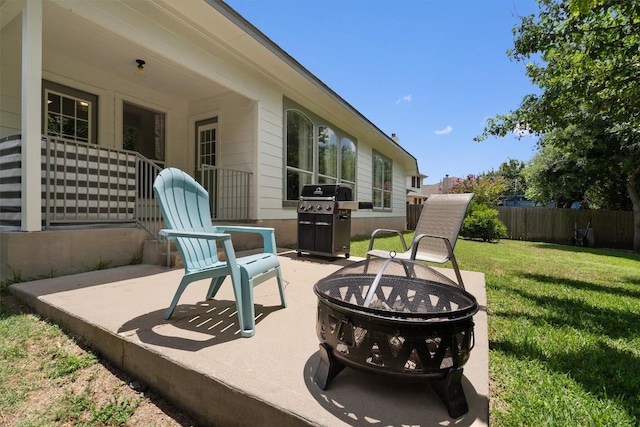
(324, 220)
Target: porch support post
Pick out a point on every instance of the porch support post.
(31, 216)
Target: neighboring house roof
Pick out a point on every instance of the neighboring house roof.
(439, 187)
(430, 189)
(415, 195)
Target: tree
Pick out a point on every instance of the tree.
(481, 220)
(555, 177)
(589, 76)
(513, 173)
(563, 173)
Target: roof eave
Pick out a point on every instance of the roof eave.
(272, 47)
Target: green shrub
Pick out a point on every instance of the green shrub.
(482, 223)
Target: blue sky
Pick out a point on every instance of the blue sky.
(430, 71)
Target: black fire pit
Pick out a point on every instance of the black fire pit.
(396, 317)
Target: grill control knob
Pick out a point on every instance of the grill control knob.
(319, 207)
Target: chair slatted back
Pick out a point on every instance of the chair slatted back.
(442, 216)
(185, 206)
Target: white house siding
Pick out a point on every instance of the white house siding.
(271, 159)
(365, 183)
(204, 78)
(112, 91)
(364, 175)
(236, 134)
(10, 86)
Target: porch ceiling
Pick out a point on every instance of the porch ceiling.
(193, 50)
(66, 34)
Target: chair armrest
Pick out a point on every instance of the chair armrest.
(174, 234)
(386, 231)
(267, 233)
(447, 243)
(245, 229)
(416, 243)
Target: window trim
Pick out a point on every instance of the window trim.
(70, 92)
(385, 159)
(317, 122)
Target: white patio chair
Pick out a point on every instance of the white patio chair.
(435, 235)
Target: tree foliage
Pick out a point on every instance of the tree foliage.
(588, 70)
(512, 171)
(481, 220)
(563, 173)
(486, 189)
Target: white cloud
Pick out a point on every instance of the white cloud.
(406, 98)
(521, 131)
(444, 131)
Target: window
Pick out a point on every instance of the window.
(416, 182)
(327, 156)
(382, 185)
(70, 113)
(316, 153)
(348, 161)
(299, 153)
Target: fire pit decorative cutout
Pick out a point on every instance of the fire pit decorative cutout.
(399, 318)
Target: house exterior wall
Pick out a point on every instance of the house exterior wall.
(28, 256)
(110, 89)
(249, 101)
(365, 185)
(10, 79)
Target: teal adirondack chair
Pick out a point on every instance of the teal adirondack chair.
(185, 210)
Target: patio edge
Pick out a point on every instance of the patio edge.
(203, 398)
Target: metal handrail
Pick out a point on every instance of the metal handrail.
(91, 184)
(230, 192)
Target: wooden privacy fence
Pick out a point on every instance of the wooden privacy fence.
(413, 214)
(610, 229)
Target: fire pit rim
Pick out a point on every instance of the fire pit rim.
(439, 282)
(441, 317)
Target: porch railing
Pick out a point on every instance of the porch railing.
(88, 184)
(91, 184)
(231, 190)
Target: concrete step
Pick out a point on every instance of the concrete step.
(155, 252)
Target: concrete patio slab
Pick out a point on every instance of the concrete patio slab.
(198, 361)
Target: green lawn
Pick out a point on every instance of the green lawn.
(564, 332)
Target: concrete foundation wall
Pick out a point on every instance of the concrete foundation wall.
(62, 252)
(28, 255)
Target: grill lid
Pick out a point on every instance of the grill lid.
(397, 288)
(339, 192)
